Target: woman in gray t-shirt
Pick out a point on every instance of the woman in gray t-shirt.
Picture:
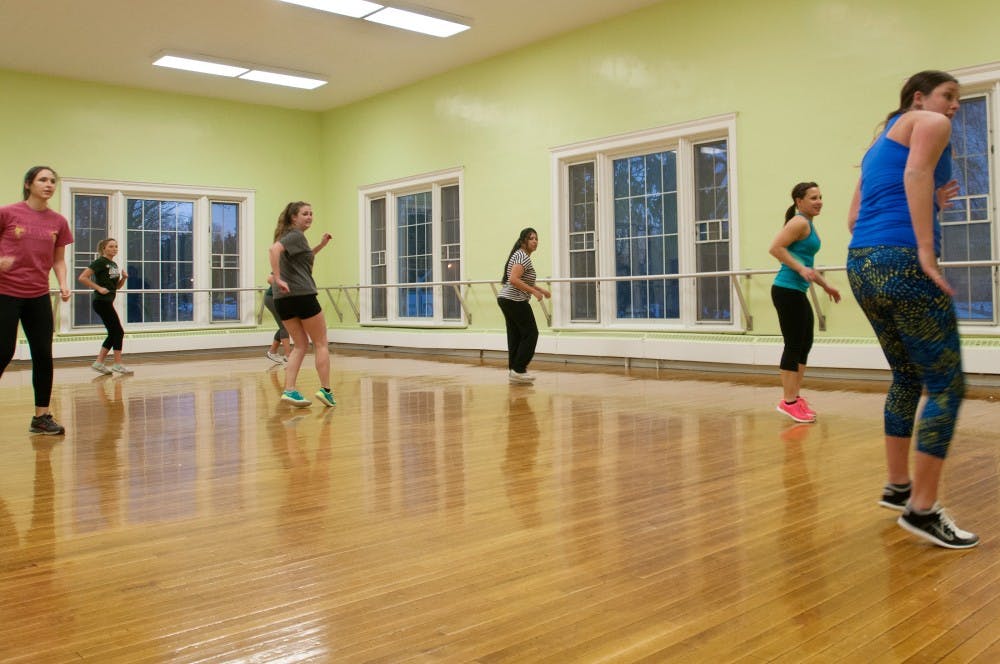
(295, 299)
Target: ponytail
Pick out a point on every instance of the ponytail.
(285, 218)
(923, 82)
(103, 243)
(798, 193)
(521, 240)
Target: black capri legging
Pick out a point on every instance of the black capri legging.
(106, 310)
(795, 317)
(282, 333)
(35, 316)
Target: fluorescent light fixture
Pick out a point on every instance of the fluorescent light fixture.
(282, 79)
(407, 20)
(200, 66)
(352, 8)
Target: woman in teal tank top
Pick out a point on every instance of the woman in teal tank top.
(796, 246)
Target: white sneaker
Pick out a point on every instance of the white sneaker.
(275, 357)
(520, 377)
(100, 368)
(121, 369)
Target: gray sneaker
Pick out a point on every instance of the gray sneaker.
(46, 424)
(100, 368)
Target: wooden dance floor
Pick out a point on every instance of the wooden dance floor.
(439, 514)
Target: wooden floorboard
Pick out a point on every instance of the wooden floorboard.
(439, 514)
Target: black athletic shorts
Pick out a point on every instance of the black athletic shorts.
(297, 306)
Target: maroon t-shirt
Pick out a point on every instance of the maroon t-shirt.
(30, 237)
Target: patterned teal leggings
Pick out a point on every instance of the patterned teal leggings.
(915, 323)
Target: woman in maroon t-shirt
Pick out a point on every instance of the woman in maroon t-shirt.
(33, 241)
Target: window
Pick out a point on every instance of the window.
(412, 235)
(967, 228)
(650, 204)
(190, 246)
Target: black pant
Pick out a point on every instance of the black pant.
(522, 333)
(795, 317)
(106, 310)
(35, 316)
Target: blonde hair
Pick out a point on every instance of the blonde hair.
(103, 243)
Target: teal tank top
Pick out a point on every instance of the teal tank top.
(804, 251)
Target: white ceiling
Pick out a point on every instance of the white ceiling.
(114, 41)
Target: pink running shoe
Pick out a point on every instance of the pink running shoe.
(806, 407)
(795, 411)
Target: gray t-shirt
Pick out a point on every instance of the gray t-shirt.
(296, 264)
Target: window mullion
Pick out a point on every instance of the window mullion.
(436, 239)
(201, 271)
(686, 232)
(605, 236)
(391, 258)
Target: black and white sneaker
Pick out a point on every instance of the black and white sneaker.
(938, 528)
(46, 424)
(894, 497)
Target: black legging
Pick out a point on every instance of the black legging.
(795, 317)
(35, 316)
(282, 333)
(522, 333)
(106, 310)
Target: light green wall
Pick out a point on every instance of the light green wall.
(809, 82)
(111, 133)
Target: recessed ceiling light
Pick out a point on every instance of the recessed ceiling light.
(407, 20)
(282, 79)
(352, 8)
(200, 66)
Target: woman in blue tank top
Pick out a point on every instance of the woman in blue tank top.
(796, 246)
(892, 267)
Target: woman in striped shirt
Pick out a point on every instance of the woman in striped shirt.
(515, 303)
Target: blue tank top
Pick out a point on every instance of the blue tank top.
(884, 215)
(804, 251)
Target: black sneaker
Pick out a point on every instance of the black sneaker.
(937, 528)
(47, 425)
(893, 498)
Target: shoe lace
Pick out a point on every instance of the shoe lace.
(947, 521)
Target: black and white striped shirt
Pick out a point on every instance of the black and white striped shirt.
(509, 291)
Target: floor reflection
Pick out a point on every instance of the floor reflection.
(439, 512)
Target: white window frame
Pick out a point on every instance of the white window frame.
(973, 81)
(391, 191)
(681, 137)
(202, 197)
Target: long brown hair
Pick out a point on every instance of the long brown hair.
(923, 82)
(522, 239)
(285, 218)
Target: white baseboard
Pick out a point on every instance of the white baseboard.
(749, 351)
